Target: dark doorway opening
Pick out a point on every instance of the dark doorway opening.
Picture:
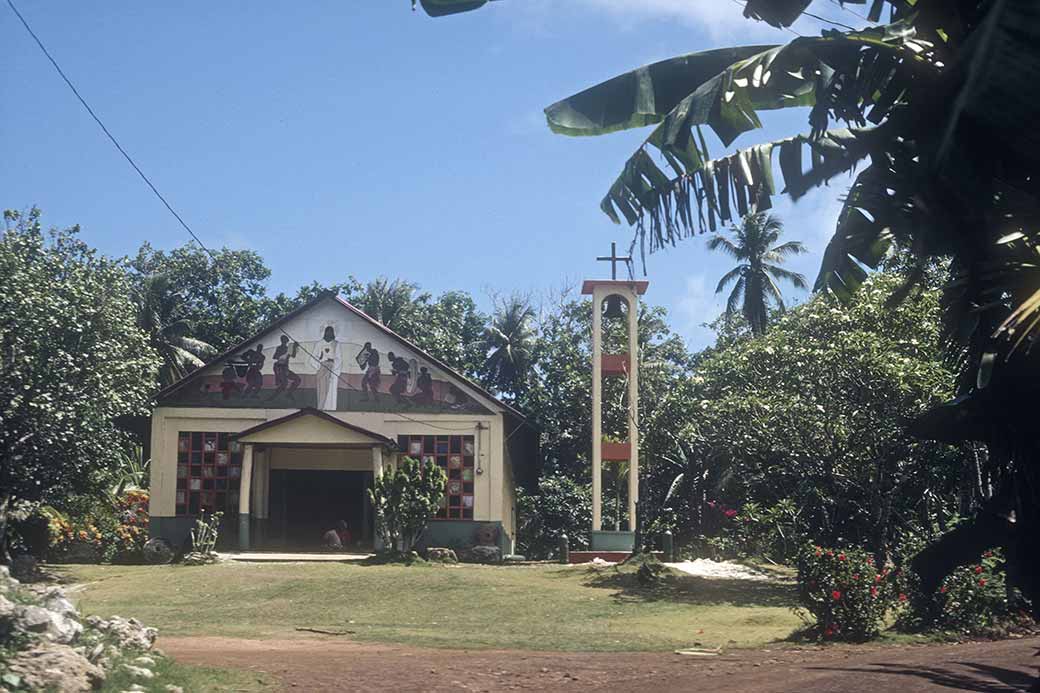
(307, 503)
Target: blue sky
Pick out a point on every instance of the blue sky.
(339, 138)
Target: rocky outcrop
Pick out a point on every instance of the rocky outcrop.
(441, 555)
(55, 649)
(484, 554)
(49, 666)
(129, 633)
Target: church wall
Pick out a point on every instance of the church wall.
(169, 422)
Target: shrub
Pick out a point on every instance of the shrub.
(845, 592)
(973, 599)
(561, 506)
(405, 499)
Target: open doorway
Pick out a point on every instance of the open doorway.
(304, 504)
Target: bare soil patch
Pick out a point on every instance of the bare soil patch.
(338, 664)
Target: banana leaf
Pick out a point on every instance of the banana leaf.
(641, 97)
(440, 8)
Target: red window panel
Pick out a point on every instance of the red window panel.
(455, 455)
(208, 473)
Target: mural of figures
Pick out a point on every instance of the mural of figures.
(329, 362)
(368, 361)
(400, 371)
(254, 365)
(284, 378)
(425, 384)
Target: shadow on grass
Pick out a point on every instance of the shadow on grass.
(673, 586)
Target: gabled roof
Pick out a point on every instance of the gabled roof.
(364, 316)
(311, 411)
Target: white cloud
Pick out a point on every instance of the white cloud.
(720, 19)
(698, 305)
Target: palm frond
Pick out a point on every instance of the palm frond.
(729, 277)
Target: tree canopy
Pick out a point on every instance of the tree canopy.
(73, 362)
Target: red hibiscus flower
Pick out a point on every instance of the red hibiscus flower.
(902, 597)
(873, 591)
(836, 595)
(982, 582)
(978, 569)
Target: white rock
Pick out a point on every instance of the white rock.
(140, 672)
(145, 661)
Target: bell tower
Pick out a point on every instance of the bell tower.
(613, 299)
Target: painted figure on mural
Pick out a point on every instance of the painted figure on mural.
(368, 359)
(425, 385)
(254, 376)
(284, 378)
(229, 384)
(400, 370)
(330, 361)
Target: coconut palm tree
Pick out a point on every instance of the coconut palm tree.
(391, 303)
(759, 266)
(509, 342)
(157, 309)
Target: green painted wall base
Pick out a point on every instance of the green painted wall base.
(459, 534)
(177, 531)
(612, 541)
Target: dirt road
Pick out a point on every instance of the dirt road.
(335, 664)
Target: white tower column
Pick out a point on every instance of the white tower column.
(597, 412)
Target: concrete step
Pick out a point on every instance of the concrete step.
(288, 557)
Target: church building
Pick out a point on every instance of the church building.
(285, 433)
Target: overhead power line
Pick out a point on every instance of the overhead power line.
(169, 207)
(110, 136)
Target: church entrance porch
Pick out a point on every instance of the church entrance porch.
(301, 475)
(306, 503)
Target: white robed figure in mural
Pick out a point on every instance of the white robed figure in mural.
(329, 363)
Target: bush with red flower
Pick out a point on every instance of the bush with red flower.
(845, 592)
(973, 598)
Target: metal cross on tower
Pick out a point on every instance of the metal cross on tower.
(613, 259)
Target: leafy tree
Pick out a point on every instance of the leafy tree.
(451, 329)
(509, 342)
(158, 306)
(405, 499)
(223, 297)
(815, 413)
(72, 362)
(560, 506)
(759, 266)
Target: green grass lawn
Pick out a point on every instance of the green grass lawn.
(169, 672)
(544, 607)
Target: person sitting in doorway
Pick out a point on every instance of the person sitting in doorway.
(337, 539)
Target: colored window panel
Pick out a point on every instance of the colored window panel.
(208, 473)
(453, 454)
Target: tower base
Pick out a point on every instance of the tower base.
(612, 541)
